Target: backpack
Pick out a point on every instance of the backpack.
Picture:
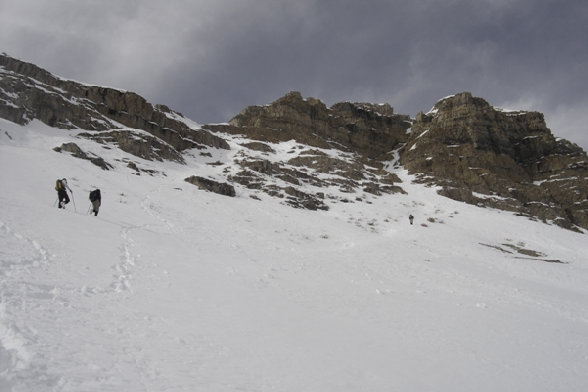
(58, 185)
(95, 195)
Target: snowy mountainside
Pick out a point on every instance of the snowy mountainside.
(172, 288)
(466, 148)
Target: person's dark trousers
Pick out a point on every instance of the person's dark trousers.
(63, 198)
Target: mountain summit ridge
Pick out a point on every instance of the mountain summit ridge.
(507, 160)
(472, 151)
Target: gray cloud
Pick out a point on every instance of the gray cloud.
(210, 59)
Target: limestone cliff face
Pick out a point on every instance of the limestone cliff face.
(472, 151)
(363, 136)
(288, 113)
(28, 92)
(476, 153)
(508, 160)
(372, 130)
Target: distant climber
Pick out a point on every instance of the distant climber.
(61, 187)
(96, 200)
(410, 218)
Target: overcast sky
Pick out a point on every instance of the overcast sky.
(210, 58)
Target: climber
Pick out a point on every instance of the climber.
(61, 187)
(96, 200)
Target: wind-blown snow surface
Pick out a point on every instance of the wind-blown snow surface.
(171, 288)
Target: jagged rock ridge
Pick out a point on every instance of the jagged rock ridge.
(361, 135)
(28, 92)
(506, 160)
(368, 129)
(472, 151)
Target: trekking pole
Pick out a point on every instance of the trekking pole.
(74, 202)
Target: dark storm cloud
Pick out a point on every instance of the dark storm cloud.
(210, 59)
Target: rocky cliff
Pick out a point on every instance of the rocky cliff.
(344, 147)
(28, 92)
(474, 152)
(369, 129)
(507, 160)
(310, 155)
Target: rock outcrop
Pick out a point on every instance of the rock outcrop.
(140, 144)
(368, 129)
(211, 185)
(507, 160)
(77, 152)
(360, 136)
(28, 92)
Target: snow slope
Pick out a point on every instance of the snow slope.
(171, 288)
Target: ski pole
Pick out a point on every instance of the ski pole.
(74, 202)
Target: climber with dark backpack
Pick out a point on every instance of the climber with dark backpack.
(95, 199)
(60, 187)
